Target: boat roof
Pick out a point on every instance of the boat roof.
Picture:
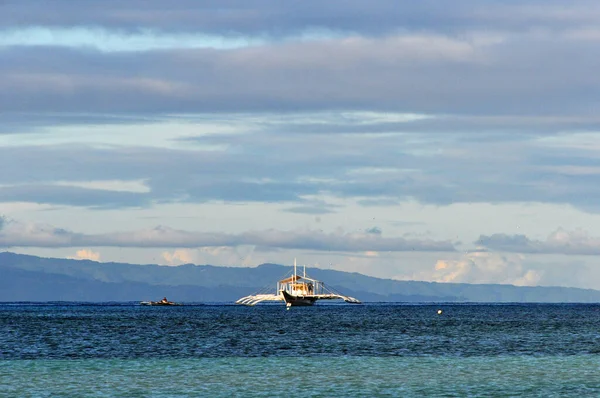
(292, 278)
(295, 278)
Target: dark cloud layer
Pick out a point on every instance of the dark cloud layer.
(22, 235)
(467, 58)
(72, 196)
(285, 18)
(559, 242)
(492, 80)
(417, 75)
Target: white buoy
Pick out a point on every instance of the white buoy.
(439, 312)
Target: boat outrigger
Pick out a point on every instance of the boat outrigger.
(298, 290)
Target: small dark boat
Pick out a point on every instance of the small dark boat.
(162, 302)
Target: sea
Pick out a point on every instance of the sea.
(327, 350)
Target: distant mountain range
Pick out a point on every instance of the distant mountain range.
(31, 278)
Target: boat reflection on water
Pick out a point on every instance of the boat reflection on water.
(298, 290)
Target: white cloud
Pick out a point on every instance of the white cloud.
(179, 256)
(107, 40)
(243, 255)
(481, 267)
(530, 278)
(86, 254)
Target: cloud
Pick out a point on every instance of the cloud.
(406, 71)
(86, 254)
(35, 235)
(465, 127)
(32, 122)
(577, 242)
(178, 257)
(315, 210)
(244, 255)
(73, 196)
(482, 267)
(313, 207)
(277, 19)
(433, 92)
(374, 230)
(438, 169)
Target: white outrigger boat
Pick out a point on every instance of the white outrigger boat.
(298, 290)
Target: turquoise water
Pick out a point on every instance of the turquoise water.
(326, 377)
(327, 351)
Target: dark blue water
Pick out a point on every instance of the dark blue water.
(132, 331)
(398, 350)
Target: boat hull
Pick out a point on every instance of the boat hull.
(292, 300)
(158, 303)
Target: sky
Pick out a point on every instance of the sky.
(454, 141)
